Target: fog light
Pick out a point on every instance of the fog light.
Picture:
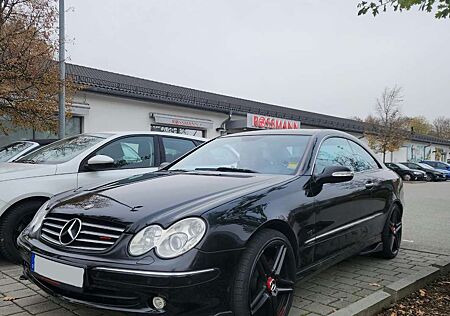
(159, 302)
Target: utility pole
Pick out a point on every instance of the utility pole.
(62, 74)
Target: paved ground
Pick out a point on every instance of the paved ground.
(425, 223)
(427, 219)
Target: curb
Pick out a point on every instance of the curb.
(376, 302)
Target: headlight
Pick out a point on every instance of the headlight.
(170, 243)
(417, 173)
(37, 220)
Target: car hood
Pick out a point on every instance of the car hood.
(159, 197)
(13, 171)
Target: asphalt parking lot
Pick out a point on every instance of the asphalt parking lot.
(425, 241)
(426, 222)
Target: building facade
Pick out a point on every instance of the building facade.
(115, 102)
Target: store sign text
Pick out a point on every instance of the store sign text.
(267, 122)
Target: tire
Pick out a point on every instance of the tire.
(429, 177)
(392, 234)
(11, 224)
(407, 177)
(260, 283)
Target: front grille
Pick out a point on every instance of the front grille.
(95, 234)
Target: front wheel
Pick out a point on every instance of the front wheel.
(11, 225)
(392, 234)
(407, 177)
(264, 282)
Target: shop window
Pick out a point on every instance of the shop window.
(178, 130)
(74, 126)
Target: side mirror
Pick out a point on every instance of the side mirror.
(334, 174)
(100, 162)
(163, 165)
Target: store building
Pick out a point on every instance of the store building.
(115, 102)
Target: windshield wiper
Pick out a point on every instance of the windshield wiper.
(27, 161)
(228, 169)
(177, 170)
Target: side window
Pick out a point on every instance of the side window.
(363, 160)
(174, 148)
(131, 152)
(334, 151)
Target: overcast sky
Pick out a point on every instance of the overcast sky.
(315, 55)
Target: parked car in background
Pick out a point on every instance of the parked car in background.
(405, 172)
(20, 148)
(439, 165)
(432, 174)
(75, 162)
(216, 233)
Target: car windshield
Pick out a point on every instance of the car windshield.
(13, 149)
(401, 166)
(269, 154)
(425, 166)
(63, 150)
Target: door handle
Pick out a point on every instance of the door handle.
(369, 185)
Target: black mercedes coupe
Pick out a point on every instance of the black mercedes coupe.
(225, 230)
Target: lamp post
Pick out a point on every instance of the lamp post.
(62, 74)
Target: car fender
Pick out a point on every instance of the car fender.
(232, 225)
(18, 190)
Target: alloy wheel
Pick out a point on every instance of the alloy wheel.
(407, 177)
(271, 286)
(395, 231)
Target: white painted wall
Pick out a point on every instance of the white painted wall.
(109, 113)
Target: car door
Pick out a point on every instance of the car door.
(173, 147)
(131, 154)
(379, 183)
(339, 206)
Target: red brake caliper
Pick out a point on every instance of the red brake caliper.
(269, 284)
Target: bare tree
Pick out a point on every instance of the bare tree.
(386, 128)
(441, 127)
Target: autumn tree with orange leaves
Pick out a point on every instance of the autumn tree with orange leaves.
(29, 80)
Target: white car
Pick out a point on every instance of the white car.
(20, 148)
(75, 162)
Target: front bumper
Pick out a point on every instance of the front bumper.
(199, 290)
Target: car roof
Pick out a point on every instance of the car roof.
(42, 142)
(306, 132)
(130, 133)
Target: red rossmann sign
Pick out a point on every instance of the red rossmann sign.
(267, 122)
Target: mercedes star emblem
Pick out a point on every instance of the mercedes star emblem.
(70, 231)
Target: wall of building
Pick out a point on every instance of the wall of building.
(415, 151)
(107, 113)
(101, 112)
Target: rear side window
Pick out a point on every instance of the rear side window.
(363, 160)
(174, 148)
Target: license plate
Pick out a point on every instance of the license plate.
(57, 271)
